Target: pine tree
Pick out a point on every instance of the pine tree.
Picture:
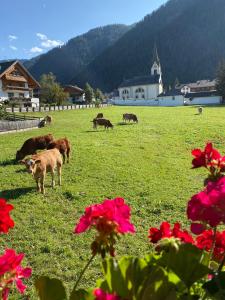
(89, 93)
(220, 80)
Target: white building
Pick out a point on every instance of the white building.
(198, 86)
(142, 89)
(17, 84)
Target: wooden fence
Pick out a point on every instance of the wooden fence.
(52, 108)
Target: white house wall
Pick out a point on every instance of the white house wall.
(151, 91)
(160, 101)
(3, 94)
(171, 100)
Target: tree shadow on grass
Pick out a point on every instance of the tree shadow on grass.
(16, 193)
(8, 162)
(87, 131)
(123, 123)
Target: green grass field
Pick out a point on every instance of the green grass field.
(148, 164)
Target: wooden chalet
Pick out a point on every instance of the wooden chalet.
(76, 94)
(16, 83)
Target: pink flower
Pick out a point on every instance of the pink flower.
(101, 295)
(165, 231)
(208, 206)
(5, 221)
(11, 271)
(115, 211)
(110, 218)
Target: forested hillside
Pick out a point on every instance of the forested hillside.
(68, 60)
(190, 36)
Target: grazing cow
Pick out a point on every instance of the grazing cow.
(48, 119)
(99, 116)
(130, 117)
(31, 145)
(200, 110)
(102, 122)
(38, 165)
(64, 147)
(42, 123)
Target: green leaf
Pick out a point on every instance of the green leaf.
(114, 278)
(216, 287)
(50, 289)
(189, 263)
(82, 294)
(158, 286)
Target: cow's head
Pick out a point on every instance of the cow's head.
(19, 155)
(31, 164)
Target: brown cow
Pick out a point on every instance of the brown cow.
(31, 145)
(38, 165)
(99, 116)
(64, 147)
(130, 117)
(102, 122)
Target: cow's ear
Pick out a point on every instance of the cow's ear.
(37, 161)
(22, 162)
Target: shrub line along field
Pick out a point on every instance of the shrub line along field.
(148, 164)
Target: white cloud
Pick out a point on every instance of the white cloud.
(47, 43)
(36, 50)
(51, 43)
(12, 37)
(41, 36)
(13, 48)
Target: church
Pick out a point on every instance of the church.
(143, 87)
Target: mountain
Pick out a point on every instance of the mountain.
(68, 60)
(190, 37)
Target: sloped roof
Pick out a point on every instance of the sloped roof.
(201, 94)
(73, 88)
(4, 65)
(140, 80)
(173, 92)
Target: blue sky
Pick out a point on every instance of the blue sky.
(32, 27)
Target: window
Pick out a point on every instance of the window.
(21, 95)
(173, 98)
(10, 95)
(140, 93)
(125, 94)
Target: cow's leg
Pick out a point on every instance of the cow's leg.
(42, 179)
(53, 177)
(64, 157)
(59, 170)
(38, 185)
(68, 154)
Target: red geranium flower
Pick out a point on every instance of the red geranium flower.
(5, 221)
(110, 218)
(101, 295)
(204, 158)
(208, 206)
(11, 271)
(156, 235)
(205, 242)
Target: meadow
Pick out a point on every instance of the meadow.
(148, 164)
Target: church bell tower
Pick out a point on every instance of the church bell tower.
(156, 66)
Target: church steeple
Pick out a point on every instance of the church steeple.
(156, 66)
(155, 57)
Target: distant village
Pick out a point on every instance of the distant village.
(17, 84)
